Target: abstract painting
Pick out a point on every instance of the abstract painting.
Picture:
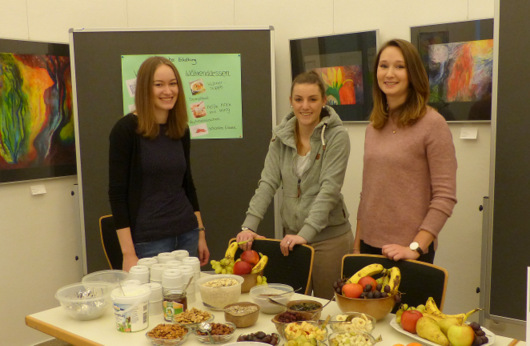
(458, 58)
(36, 124)
(345, 63)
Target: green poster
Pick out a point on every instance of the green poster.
(211, 85)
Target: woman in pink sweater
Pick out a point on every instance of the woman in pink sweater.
(409, 174)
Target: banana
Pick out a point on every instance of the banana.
(369, 270)
(432, 309)
(395, 280)
(260, 265)
(231, 251)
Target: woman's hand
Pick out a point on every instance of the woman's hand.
(397, 252)
(204, 253)
(129, 261)
(289, 241)
(247, 236)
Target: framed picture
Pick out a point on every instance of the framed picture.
(36, 124)
(345, 63)
(459, 61)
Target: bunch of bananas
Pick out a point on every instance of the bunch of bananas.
(389, 279)
(226, 264)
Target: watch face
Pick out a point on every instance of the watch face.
(414, 246)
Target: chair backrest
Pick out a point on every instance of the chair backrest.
(419, 280)
(293, 270)
(110, 242)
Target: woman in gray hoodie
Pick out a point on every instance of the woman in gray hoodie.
(307, 159)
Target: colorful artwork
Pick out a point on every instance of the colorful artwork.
(344, 84)
(36, 124)
(460, 71)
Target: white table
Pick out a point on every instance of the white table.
(102, 331)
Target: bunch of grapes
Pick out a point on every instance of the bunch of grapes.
(224, 266)
(480, 335)
(378, 293)
(337, 285)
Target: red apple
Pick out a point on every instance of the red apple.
(409, 319)
(368, 280)
(250, 256)
(242, 268)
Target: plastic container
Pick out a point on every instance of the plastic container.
(139, 272)
(220, 290)
(112, 276)
(85, 301)
(172, 278)
(180, 254)
(147, 261)
(173, 264)
(279, 292)
(163, 257)
(156, 271)
(131, 308)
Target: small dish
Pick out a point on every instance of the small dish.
(166, 334)
(242, 314)
(216, 334)
(279, 292)
(192, 318)
(353, 338)
(282, 319)
(352, 322)
(307, 305)
(311, 331)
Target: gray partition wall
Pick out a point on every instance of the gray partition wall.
(511, 216)
(225, 171)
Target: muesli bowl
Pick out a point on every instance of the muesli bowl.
(219, 290)
(168, 334)
(242, 314)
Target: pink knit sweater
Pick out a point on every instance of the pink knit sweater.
(409, 180)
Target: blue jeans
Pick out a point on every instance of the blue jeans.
(186, 241)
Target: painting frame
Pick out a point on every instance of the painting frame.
(48, 116)
(346, 62)
(458, 58)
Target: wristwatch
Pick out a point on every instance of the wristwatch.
(414, 246)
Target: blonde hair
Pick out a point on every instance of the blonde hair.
(177, 120)
(415, 105)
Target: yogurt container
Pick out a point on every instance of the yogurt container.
(131, 307)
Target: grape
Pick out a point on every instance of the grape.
(387, 289)
(379, 287)
(368, 287)
(474, 325)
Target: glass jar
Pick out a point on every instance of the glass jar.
(174, 303)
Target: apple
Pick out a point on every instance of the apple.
(242, 268)
(409, 318)
(250, 256)
(368, 280)
(461, 335)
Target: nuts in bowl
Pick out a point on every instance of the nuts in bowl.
(192, 318)
(167, 334)
(220, 290)
(219, 333)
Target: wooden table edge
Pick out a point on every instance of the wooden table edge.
(59, 333)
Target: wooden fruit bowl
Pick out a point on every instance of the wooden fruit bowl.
(250, 280)
(377, 307)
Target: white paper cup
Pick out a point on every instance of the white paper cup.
(163, 257)
(147, 261)
(180, 254)
(139, 272)
(156, 272)
(173, 264)
(155, 307)
(131, 308)
(156, 291)
(172, 278)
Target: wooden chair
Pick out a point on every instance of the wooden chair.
(110, 242)
(293, 270)
(419, 280)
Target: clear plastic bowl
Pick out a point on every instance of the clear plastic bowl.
(111, 276)
(353, 338)
(85, 301)
(359, 322)
(279, 292)
(216, 338)
(215, 294)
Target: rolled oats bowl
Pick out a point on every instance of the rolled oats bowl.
(220, 290)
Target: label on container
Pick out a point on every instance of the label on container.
(171, 309)
(131, 318)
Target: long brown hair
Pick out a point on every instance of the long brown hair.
(415, 105)
(177, 120)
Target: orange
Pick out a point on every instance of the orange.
(414, 344)
(352, 290)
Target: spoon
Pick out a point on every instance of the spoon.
(189, 282)
(206, 327)
(215, 308)
(276, 302)
(279, 294)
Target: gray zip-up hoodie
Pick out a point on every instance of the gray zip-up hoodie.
(313, 206)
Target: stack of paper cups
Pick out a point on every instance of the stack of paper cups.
(195, 264)
(172, 279)
(155, 299)
(173, 264)
(163, 257)
(147, 261)
(180, 254)
(156, 272)
(187, 273)
(139, 272)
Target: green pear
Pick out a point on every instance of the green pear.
(429, 329)
(448, 322)
(461, 335)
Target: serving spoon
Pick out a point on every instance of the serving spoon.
(206, 327)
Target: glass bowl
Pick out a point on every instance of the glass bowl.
(282, 319)
(359, 322)
(311, 331)
(192, 318)
(215, 336)
(167, 334)
(279, 292)
(353, 338)
(219, 290)
(85, 301)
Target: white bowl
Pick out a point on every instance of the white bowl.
(220, 295)
(260, 295)
(85, 301)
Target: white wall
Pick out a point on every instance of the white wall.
(41, 234)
